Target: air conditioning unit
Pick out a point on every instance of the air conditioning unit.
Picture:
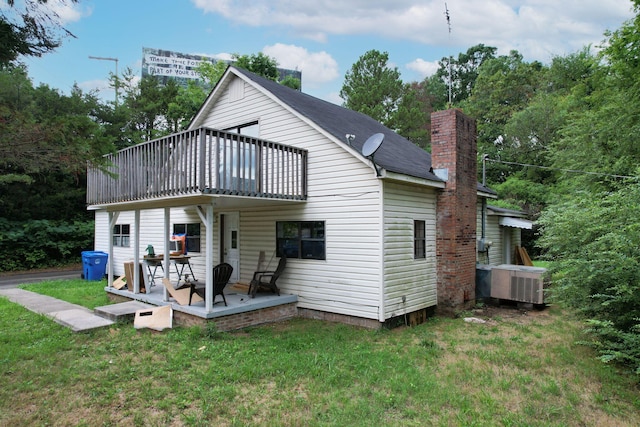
(518, 283)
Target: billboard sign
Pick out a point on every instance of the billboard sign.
(165, 65)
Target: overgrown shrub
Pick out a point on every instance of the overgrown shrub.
(594, 240)
(43, 243)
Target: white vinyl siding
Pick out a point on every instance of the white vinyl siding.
(151, 233)
(360, 270)
(494, 233)
(405, 277)
(342, 191)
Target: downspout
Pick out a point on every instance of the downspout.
(484, 206)
(382, 309)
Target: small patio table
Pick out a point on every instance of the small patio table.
(179, 261)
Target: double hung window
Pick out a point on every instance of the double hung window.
(192, 235)
(419, 240)
(121, 235)
(300, 239)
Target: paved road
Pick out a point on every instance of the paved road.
(13, 280)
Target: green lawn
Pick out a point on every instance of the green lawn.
(518, 369)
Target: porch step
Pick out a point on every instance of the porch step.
(121, 312)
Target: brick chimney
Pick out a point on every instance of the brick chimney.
(453, 158)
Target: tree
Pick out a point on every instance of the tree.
(29, 32)
(594, 240)
(601, 131)
(42, 131)
(463, 71)
(46, 139)
(210, 73)
(147, 108)
(259, 63)
(504, 86)
(591, 231)
(291, 82)
(413, 118)
(372, 88)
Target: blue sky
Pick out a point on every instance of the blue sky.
(322, 38)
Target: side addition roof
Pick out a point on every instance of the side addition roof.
(510, 217)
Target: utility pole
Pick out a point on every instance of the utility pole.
(116, 61)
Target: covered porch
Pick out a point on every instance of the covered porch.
(241, 310)
(206, 171)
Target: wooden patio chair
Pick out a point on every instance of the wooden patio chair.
(267, 279)
(221, 275)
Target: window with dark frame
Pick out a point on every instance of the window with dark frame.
(192, 235)
(121, 235)
(300, 239)
(249, 129)
(419, 239)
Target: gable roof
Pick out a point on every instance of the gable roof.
(396, 154)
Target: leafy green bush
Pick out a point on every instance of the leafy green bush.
(43, 243)
(594, 240)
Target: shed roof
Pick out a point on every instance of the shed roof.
(510, 217)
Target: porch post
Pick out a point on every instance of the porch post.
(136, 253)
(167, 253)
(209, 259)
(113, 218)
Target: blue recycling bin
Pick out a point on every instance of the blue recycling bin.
(94, 264)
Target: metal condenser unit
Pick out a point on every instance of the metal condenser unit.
(518, 283)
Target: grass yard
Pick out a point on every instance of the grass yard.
(518, 369)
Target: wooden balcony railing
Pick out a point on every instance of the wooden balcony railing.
(200, 161)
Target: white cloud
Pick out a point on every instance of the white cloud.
(539, 29)
(68, 12)
(56, 12)
(65, 10)
(316, 67)
(423, 68)
(223, 56)
(334, 97)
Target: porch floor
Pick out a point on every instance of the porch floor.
(237, 299)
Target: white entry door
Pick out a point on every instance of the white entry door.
(231, 244)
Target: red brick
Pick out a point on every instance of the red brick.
(453, 147)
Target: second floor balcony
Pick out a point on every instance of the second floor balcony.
(199, 162)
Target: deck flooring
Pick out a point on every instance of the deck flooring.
(237, 300)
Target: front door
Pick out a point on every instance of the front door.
(230, 243)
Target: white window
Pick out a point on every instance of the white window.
(121, 235)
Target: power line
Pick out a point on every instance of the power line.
(560, 169)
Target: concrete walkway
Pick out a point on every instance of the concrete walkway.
(74, 316)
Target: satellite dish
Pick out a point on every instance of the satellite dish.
(372, 144)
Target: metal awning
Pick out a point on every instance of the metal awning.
(506, 221)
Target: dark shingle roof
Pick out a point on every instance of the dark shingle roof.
(397, 154)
